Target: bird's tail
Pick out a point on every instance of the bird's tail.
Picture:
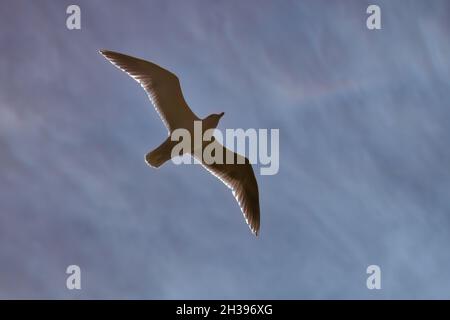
(161, 154)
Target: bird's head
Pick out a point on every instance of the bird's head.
(213, 119)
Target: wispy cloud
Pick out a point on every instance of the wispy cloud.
(363, 119)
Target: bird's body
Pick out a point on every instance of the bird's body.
(164, 91)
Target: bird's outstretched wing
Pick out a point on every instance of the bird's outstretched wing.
(240, 178)
(162, 87)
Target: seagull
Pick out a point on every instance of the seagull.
(164, 91)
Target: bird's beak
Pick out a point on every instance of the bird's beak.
(221, 114)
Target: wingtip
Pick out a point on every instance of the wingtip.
(106, 53)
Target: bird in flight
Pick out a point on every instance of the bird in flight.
(164, 90)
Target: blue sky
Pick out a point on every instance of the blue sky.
(364, 160)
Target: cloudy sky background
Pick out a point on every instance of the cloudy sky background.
(364, 158)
